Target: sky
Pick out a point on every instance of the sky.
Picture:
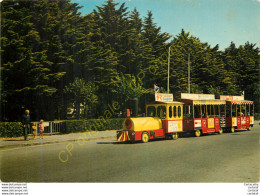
(212, 21)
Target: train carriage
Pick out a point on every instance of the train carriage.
(163, 120)
(239, 113)
(203, 114)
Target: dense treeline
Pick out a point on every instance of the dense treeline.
(54, 58)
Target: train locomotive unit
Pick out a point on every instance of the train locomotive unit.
(163, 120)
(195, 113)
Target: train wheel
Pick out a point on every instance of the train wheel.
(197, 133)
(175, 136)
(220, 131)
(232, 130)
(145, 137)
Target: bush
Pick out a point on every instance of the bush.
(71, 126)
(257, 116)
(15, 129)
(92, 125)
(11, 129)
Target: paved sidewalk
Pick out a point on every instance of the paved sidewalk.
(47, 139)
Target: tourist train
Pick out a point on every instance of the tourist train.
(196, 114)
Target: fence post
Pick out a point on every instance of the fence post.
(50, 124)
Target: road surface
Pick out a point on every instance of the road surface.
(211, 158)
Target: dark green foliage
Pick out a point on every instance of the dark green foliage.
(72, 126)
(11, 129)
(15, 129)
(33, 56)
(46, 45)
(82, 93)
(257, 117)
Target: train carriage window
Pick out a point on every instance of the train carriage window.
(187, 111)
(207, 110)
(243, 110)
(239, 113)
(216, 110)
(234, 110)
(251, 109)
(247, 110)
(191, 111)
(211, 110)
(179, 111)
(174, 112)
(170, 111)
(197, 111)
(228, 110)
(161, 111)
(222, 109)
(151, 111)
(204, 111)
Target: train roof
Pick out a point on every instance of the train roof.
(165, 102)
(239, 102)
(203, 101)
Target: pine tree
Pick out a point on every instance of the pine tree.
(153, 50)
(112, 24)
(34, 54)
(25, 70)
(248, 71)
(231, 64)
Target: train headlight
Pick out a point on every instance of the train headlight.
(133, 133)
(117, 132)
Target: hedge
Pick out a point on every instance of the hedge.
(15, 129)
(257, 116)
(92, 125)
(11, 129)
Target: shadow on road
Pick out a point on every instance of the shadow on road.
(115, 142)
(128, 142)
(134, 142)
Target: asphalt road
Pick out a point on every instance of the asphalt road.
(211, 158)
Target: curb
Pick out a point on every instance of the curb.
(51, 142)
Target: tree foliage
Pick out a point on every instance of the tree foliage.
(127, 88)
(82, 93)
(54, 57)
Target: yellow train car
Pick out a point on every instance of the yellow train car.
(163, 120)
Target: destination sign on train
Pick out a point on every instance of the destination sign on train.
(163, 97)
(229, 97)
(193, 96)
